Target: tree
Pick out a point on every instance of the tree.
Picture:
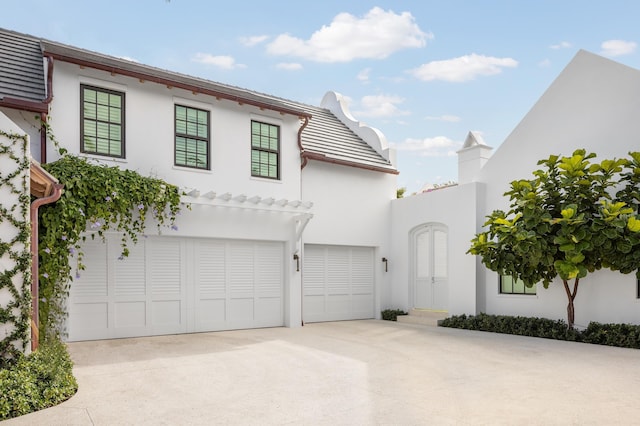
(565, 223)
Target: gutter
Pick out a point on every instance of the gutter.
(35, 321)
(142, 76)
(324, 158)
(302, 151)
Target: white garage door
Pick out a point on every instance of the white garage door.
(176, 285)
(338, 283)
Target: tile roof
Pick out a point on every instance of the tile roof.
(327, 135)
(21, 67)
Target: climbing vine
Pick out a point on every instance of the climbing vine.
(15, 272)
(96, 198)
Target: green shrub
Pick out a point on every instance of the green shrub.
(392, 314)
(623, 335)
(37, 381)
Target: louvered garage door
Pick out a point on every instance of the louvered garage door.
(176, 285)
(338, 283)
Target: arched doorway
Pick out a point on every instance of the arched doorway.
(430, 267)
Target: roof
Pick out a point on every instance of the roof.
(325, 138)
(333, 141)
(120, 66)
(21, 67)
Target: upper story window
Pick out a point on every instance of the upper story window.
(508, 285)
(192, 137)
(265, 150)
(101, 121)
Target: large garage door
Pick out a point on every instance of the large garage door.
(176, 285)
(338, 283)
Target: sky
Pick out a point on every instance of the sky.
(424, 72)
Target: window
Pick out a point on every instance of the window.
(510, 286)
(102, 121)
(192, 137)
(265, 150)
(638, 288)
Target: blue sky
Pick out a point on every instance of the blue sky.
(424, 72)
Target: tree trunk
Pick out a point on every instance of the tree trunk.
(571, 295)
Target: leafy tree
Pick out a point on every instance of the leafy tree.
(565, 223)
(400, 192)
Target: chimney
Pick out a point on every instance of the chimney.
(471, 158)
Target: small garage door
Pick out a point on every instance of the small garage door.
(176, 285)
(338, 283)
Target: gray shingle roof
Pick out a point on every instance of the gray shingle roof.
(21, 67)
(327, 135)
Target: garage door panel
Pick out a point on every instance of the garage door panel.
(175, 285)
(130, 314)
(338, 283)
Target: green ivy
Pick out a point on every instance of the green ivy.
(15, 279)
(96, 198)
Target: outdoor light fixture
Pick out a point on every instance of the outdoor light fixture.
(297, 259)
(386, 264)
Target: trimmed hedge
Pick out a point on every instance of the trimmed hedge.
(39, 380)
(621, 335)
(392, 314)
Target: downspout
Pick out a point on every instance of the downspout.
(35, 323)
(43, 115)
(302, 153)
(302, 166)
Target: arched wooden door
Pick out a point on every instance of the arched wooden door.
(430, 267)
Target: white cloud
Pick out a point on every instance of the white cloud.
(439, 146)
(289, 66)
(253, 40)
(544, 63)
(380, 106)
(561, 45)
(376, 35)
(445, 117)
(223, 61)
(363, 75)
(463, 68)
(617, 47)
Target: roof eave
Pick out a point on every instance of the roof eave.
(143, 73)
(324, 158)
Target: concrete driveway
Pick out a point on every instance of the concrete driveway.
(348, 373)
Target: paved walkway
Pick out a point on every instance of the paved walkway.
(348, 373)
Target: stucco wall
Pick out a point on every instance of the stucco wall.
(454, 207)
(593, 104)
(351, 207)
(9, 201)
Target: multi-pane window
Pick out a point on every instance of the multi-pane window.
(101, 121)
(265, 150)
(192, 137)
(509, 285)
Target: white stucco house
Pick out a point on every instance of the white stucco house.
(593, 104)
(293, 213)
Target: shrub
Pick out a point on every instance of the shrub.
(392, 314)
(39, 380)
(622, 335)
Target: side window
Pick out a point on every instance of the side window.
(509, 285)
(101, 121)
(192, 137)
(265, 150)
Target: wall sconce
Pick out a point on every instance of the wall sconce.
(297, 259)
(386, 264)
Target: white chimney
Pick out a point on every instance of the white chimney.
(471, 157)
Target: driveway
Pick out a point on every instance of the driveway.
(348, 373)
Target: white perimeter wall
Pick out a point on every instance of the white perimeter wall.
(454, 207)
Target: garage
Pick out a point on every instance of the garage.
(338, 283)
(170, 285)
